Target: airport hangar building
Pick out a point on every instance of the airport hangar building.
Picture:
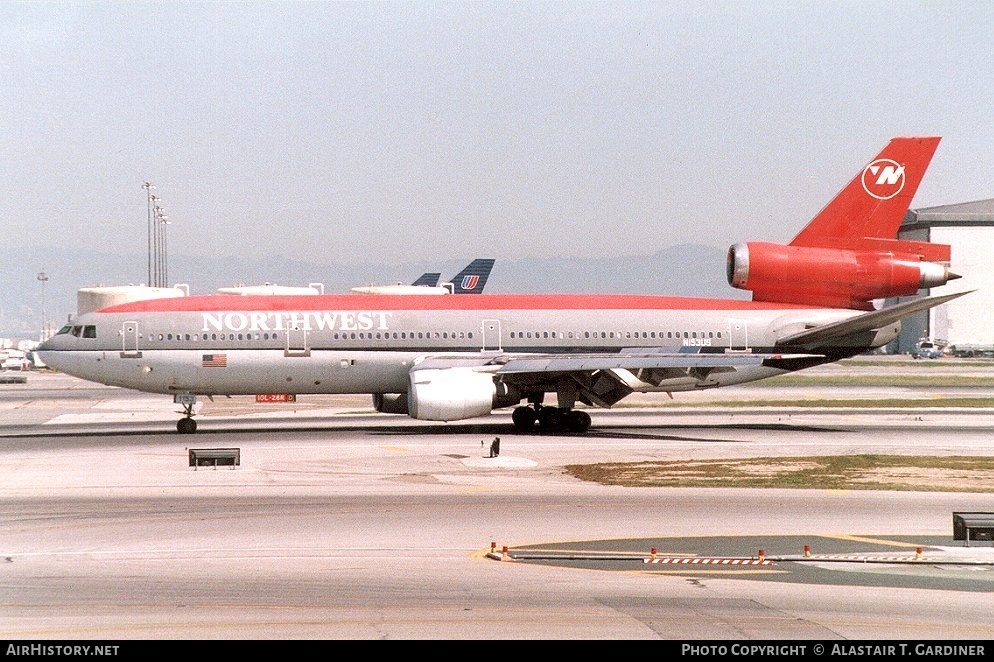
(967, 227)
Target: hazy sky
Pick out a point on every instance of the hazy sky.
(386, 131)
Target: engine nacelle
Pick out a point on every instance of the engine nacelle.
(830, 277)
(390, 403)
(450, 394)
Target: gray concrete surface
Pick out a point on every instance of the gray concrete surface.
(342, 524)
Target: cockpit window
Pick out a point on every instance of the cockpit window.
(66, 329)
(89, 331)
(77, 330)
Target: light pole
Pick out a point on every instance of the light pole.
(148, 186)
(43, 277)
(157, 245)
(164, 221)
(154, 233)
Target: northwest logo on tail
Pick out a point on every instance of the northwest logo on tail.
(883, 179)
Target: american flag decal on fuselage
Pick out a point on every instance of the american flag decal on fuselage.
(215, 361)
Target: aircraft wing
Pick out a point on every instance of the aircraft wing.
(542, 364)
(639, 361)
(865, 322)
(604, 379)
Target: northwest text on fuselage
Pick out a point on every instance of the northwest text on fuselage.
(324, 320)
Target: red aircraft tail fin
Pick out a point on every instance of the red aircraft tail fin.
(872, 206)
(849, 254)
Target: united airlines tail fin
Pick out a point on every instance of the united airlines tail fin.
(428, 279)
(473, 278)
(470, 280)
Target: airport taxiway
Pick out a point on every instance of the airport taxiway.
(340, 523)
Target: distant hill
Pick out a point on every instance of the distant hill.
(689, 270)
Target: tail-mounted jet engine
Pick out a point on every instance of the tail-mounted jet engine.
(836, 277)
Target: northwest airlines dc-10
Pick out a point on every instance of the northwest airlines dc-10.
(448, 358)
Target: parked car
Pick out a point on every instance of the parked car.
(926, 349)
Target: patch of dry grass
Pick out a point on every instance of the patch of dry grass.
(849, 472)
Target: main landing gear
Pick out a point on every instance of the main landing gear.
(550, 419)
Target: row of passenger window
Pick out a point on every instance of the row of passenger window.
(354, 335)
(208, 336)
(90, 331)
(661, 335)
(427, 335)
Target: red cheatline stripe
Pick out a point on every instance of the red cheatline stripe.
(482, 302)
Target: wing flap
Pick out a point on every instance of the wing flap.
(590, 362)
(603, 380)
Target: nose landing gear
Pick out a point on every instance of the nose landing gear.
(186, 425)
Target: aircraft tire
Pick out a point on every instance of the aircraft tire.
(550, 419)
(579, 421)
(523, 418)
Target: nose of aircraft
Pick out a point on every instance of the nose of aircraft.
(48, 352)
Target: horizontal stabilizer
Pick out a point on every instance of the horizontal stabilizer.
(866, 321)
